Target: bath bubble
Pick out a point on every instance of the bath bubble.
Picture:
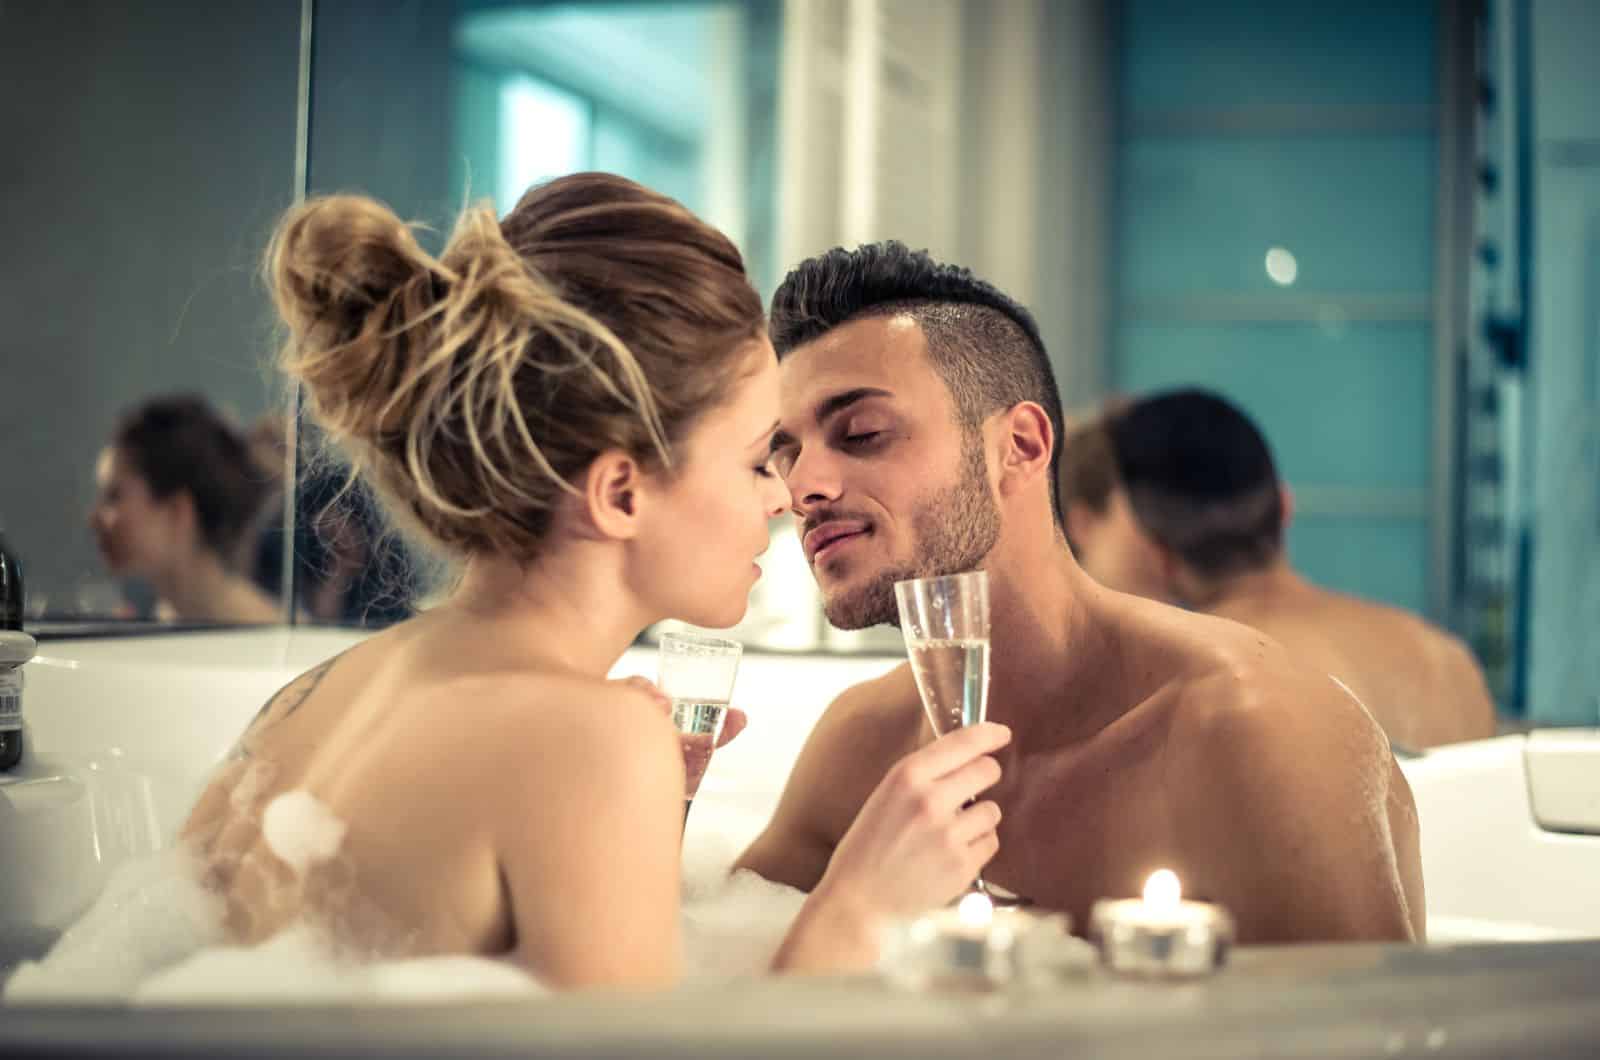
(735, 931)
(252, 784)
(156, 935)
(733, 923)
(295, 967)
(300, 830)
(152, 914)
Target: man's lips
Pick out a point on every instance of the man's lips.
(821, 538)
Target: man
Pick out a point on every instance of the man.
(1176, 497)
(917, 436)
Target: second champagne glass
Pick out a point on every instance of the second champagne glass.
(696, 673)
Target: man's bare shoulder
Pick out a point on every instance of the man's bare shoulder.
(891, 695)
(1250, 694)
(1280, 782)
(870, 724)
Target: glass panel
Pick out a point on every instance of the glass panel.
(544, 132)
(1381, 560)
(1341, 404)
(1228, 52)
(148, 158)
(1200, 214)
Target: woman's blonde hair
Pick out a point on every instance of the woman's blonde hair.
(474, 388)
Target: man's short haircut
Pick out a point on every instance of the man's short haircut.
(984, 345)
(1200, 480)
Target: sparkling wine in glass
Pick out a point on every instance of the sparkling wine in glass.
(945, 622)
(696, 673)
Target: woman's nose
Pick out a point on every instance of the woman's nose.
(777, 497)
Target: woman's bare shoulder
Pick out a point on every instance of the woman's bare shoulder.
(566, 723)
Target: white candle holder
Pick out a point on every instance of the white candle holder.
(1161, 936)
(972, 947)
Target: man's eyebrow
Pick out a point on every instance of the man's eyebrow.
(839, 402)
(829, 408)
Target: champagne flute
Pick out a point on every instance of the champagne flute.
(696, 672)
(945, 622)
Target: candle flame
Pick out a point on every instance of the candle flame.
(1162, 891)
(975, 910)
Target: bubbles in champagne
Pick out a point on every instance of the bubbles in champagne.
(953, 677)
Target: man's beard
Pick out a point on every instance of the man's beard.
(955, 530)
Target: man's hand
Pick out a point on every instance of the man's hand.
(696, 752)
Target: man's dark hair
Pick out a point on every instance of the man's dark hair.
(181, 443)
(984, 346)
(1200, 480)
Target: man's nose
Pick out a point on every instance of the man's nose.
(813, 479)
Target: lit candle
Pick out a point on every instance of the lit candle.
(968, 947)
(1161, 934)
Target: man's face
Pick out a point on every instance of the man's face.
(886, 483)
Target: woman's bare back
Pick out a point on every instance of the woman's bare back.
(338, 805)
(373, 796)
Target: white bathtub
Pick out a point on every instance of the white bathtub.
(123, 732)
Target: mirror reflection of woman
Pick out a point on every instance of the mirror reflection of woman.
(178, 496)
(576, 403)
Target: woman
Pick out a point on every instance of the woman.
(178, 493)
(577, 404)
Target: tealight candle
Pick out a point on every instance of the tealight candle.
(968, 947)
(1161, 934)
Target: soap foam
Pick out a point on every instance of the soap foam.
(155, 936)
(301, 831)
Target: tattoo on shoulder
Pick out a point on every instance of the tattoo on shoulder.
(299, 690)
(290, 696)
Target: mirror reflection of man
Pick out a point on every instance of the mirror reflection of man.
(1177, 497)
(918, 436)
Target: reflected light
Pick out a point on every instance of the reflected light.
(1281, 266)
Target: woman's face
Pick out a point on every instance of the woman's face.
(708, 521)
(136, 533)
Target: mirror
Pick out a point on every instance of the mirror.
(142, 464)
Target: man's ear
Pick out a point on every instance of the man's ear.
(613, 495)
(1027, 440)
(1286, 498)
